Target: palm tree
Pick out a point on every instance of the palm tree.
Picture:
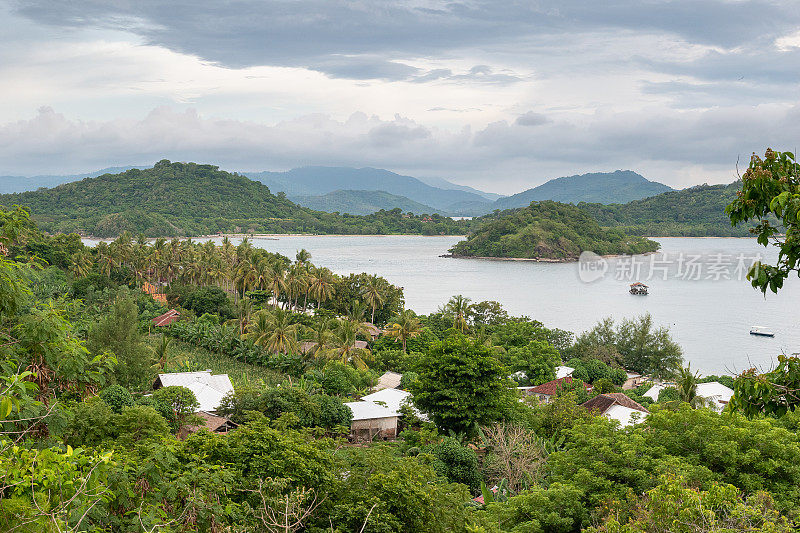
(458, 309)
(244, 309)
(295, 283)
(81, 264)
(687, 387)
(302, 256)
(372, 292)
(161, 352)
(405, 326)
(277, 281)
(322, 287)
(343, 346)
(321, 335)
(273, 331)
(356, 311)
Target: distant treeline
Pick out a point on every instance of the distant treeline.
(694, 212)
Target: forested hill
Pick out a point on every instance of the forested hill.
(601, 187)
(363, 203)
(694, 212)
(177, 199)
(546, 231)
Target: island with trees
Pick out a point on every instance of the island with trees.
(546, 231)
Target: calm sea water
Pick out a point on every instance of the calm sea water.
(710, 318)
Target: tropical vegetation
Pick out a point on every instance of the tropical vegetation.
(86, 444)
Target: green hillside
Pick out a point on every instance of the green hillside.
(546, 231)
(180, 199)
(694, 212)
(362, 203)
(600, 187)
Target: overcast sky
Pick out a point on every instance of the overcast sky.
(500, 95)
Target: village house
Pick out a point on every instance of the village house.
(211, 422)
(546, 391)
(371, 421)
(207, 388)
(633, 380)
(393, 399)
(617, 406)
(714, 393)
(373, 330)
(154, 292)
(564, 371)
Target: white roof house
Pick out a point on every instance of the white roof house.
(208, 389)
(370, 411)
(563, 371)
(617, 406)
(393, 399)
(625, 415)
(653, 392)
(717, 394)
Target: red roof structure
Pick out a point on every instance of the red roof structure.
(167, 318)
(603, 402)
(551, 387)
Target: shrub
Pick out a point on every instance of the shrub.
(457, 463)
(670, 394)
(176, 404)
(117, 397)
(604, 385)
(209, 300)
(138, 423)
(408, 379)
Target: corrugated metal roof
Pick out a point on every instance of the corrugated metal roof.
(209, 390)
(369, 411)
(389, 380)
(564, 371)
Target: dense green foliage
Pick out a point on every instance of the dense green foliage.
(694, 212)
(546, 231)
(770, 191)
(177, 199)
(461, 385)
(88, 446)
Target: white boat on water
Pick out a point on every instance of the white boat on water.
(762, 331)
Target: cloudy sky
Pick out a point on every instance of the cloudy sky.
(496, 94)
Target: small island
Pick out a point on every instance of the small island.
(547, 231)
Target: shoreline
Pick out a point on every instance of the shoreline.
(540, 259)
(276, 236)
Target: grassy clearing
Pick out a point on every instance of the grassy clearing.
(184, 357)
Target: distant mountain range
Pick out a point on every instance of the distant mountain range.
(363, 203)
(316, 181)
(618, 187)
(12, 184)
(366, 190)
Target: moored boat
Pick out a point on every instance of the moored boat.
(761, 331)
(638, 288)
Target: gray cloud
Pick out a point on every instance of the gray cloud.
(664, 143)
(531, 119)
(312, 33)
